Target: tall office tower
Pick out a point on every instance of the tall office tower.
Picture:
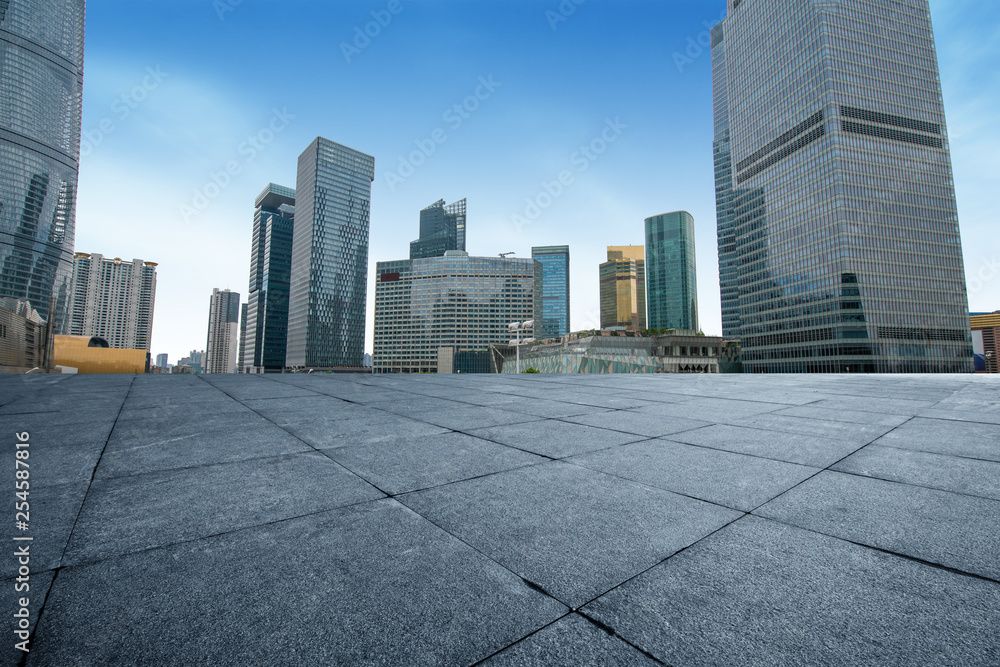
(671, 280)
(243, 339)
(554, 318)
(270, 272)
(456, 301)
(839, 247)
(623, 288)
(161, 360)
(223, 332)
(328, 285)
(113, 299)
(442, 228)
(41, 57)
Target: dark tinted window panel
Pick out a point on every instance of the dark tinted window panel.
(890, 119)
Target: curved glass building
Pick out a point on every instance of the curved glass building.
(671, 276)
(41, 90)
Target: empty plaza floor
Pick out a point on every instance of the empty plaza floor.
(502, 520)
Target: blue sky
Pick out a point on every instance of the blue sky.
(191, 107)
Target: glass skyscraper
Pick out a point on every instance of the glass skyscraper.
(671, 280)
(41, 92)
(328, 284)
(456, 301)
(554, 319)
(839, 247)
(270, 272)
(623, 288)
(442, 228)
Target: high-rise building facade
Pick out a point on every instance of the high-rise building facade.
(839, 247)
(465, 303)
(264, 348)
(623, 288)
(223, 332)
(442, 228)
(161, 360)
(553, 321)
(671, 276)
(328, 283)
(41, 95)
(113, 300)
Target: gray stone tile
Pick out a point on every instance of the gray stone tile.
(327, 433)
(950, 473)
(861, 434)
(52, 513)
(138, 447)
(570, 641)
(791, 447)
(734, 480)
(128, 514)
(468, 417)
(844, 415)
(60, 434)
(555, 439)
(759, 593)
(419, 462)
(639, 423)
(887, 405)
(945, 436)
(546, 408)
(51, 461)
(605, 400)
(706, 409)
(572, 531)
(936, 526)
(373, 583)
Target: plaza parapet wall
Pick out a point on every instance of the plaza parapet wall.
(87, 354)
(619, 352)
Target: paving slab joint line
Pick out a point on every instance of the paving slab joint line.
(55, 576)
(530, 634)
(308, 444)
(827, 468)
(918, 486)
(888, 552)
(614, 633)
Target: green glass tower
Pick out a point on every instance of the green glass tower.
(671, 280)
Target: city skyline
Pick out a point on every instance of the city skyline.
(620, 187)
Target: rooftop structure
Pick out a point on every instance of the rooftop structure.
(570, 519)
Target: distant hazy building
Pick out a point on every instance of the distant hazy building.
(839, 247)
(223, 332)
(442, 228)
(671, 278)
(329, 281)
(554, 318)
(191, 363)
(41, 97)
(623, 289)
(161, 360)
(270, 273)
(114, 300)
(456, 301)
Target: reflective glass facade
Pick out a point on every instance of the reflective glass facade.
(328, 284)
(442, 228)
(270, 272)
(623, 289)
(839, 247)
(457, 301)
(41, 89)
(671, 278)
(554, 319)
